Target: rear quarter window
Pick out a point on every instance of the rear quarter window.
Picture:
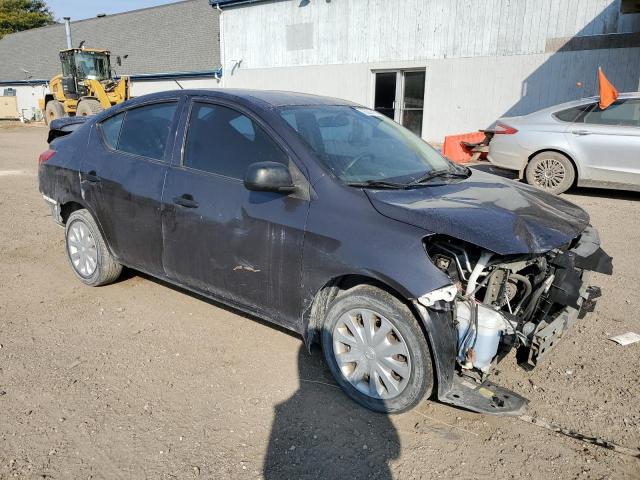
(574, 114)
(111, 130)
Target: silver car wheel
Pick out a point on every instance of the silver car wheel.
(549, 173)
(371, 354)
(82, 249)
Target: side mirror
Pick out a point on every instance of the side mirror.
(269, 177)
(119, 61)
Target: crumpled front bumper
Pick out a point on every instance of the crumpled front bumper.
(571, 289)
(549, 334)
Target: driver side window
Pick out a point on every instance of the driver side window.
(223, 141)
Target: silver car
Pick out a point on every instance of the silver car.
(575, 143)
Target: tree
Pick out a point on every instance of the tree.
(17, 15)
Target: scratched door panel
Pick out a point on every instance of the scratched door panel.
(241, 245)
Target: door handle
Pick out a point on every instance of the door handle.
(92, 177)
(185, 201)
(581, 132)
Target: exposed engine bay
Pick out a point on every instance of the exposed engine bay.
(523, 302)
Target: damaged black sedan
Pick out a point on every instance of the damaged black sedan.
(414, 275)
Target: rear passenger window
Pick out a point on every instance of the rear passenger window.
(111, 130)
(224, 141)
(141, 131)
(622, 112)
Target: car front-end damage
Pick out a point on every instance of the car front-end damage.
(499, 303)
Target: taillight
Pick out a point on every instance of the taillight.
(45, 156)
(504, 129)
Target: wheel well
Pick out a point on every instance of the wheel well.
(313, 318)
(564, 154)
(326, 295)
(67, 209)
(314, 321)
(47, 98)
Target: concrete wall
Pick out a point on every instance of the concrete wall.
(483, 58)
(27, 98)
(468, 94)
(28, 95)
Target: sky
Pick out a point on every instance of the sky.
(79, 9)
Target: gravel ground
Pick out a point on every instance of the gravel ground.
(142, 380)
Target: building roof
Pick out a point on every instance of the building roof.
(176, 37)
(229, 3)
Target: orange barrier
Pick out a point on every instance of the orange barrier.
(455, 151)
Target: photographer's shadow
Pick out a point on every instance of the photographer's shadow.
(320, 433)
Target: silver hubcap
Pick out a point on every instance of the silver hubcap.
(371, 354)
(549, 173)
(82, 249)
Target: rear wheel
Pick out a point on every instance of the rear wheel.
(88, 107)
(551, 172)
(87, 252)
(53, 111)
(376, 350)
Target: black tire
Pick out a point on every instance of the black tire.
(107, 270)
(404, 323)
(88, 107)
(53, 111)
(551, 172)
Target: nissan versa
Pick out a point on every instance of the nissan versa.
(414, 275)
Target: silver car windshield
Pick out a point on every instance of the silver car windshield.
(361, 145)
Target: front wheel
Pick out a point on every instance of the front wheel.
(551, 172)
(376, 350)
(87, 252)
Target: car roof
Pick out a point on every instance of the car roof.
(582, 101)
(266, 98)
(563, 106)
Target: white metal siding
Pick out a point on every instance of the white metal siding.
(362, 31)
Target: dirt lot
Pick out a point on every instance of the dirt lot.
(141, 380)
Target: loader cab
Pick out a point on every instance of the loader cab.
(83, 64)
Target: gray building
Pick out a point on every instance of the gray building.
(438, 66)
(169, 43)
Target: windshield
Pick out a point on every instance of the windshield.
(92, 65)
(360, 145)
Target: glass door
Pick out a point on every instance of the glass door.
(385, 96)
(399, 95)
(413, 101)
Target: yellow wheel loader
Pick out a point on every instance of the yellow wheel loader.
(86, 86)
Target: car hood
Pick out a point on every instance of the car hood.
(492, 212)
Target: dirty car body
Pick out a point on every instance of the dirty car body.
(482, 263)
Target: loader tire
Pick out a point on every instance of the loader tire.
(53, 111)
(88, 107)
